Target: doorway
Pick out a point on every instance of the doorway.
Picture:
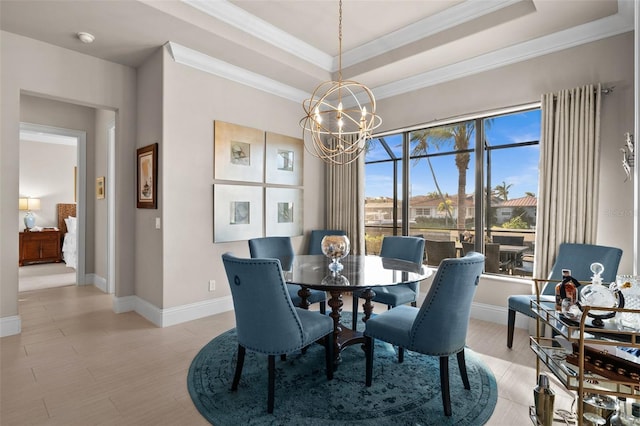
(42, 183)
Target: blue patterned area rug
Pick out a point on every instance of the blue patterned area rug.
(401, 394)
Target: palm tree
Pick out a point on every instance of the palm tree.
(421, 138)
(461, 134)
(503, 190)
(446, 206)
(530, 194)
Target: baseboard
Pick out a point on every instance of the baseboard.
(172, 316)
(97, 281)
(497, 314)
(10, 326)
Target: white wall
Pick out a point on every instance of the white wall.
(46, 172)
(36, 68)
(192, 101)
(103, 118)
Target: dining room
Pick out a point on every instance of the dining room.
(167, 260)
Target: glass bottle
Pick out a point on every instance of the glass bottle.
(621, 417)
(635, 414)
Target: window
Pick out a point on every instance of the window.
(432, 173)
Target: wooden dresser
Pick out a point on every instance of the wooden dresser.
(40, 247)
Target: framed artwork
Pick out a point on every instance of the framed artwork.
(283, 212)
(237, 212)
(100, 188)
(238, 152)
(147, 180)
(283, 159)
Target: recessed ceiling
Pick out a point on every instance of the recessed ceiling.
(390, 46)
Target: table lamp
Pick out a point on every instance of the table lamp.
(29, 204)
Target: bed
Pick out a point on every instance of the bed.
(68, 225)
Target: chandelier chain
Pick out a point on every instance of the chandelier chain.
(340, 43)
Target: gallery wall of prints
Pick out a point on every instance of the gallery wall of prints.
(257, 188)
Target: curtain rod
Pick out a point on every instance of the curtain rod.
(604, 91)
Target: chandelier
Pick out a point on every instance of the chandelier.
(337, 125)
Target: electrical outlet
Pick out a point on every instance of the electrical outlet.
(212, 285)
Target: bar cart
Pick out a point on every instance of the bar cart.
(596, 363)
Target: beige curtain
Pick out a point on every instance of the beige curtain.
(345, 201)
(569, 171)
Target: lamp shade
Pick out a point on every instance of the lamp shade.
(33, 203)
(29, 203)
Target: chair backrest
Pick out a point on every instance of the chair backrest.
(578, 258)
(441, 324)
(468, 247)
(273, 248)
(492, 262)
(266, 320)
(316, 238)
(509, 240)
(410, 249)
(439, 250)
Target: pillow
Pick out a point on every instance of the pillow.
(72, 224)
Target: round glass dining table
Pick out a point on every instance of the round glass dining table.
(361, 273)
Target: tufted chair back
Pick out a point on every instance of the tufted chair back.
(266, 320)
(440, 327)
(273, 247)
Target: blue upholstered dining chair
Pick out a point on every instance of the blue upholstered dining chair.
(281, 248)
(576, 257)
(316, 238)
(266, 320)
(438, 327)
(410, 249)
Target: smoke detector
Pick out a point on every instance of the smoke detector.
(86, 37)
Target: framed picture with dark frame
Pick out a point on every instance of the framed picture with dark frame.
(147, 177)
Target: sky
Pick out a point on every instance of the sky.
(517, 167)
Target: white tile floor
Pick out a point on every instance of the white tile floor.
(78, 363)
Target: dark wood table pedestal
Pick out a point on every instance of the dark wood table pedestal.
(343, 336)
(360, 273)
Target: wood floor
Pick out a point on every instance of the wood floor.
(78, 363)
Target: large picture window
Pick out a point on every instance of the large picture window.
(472, 182)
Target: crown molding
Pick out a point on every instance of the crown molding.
(198, 60)
(251, 24)
(237, 17)
(448, 18)
(585, 33)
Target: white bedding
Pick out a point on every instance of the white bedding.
(70, 244)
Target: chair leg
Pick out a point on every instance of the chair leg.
(444, 385)
(272, 383)
(368, 349)
(239, 364)
(462, 365)
(323, 307)
(328, 351)
(511, 323)
(354, 308)
(400, 355)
